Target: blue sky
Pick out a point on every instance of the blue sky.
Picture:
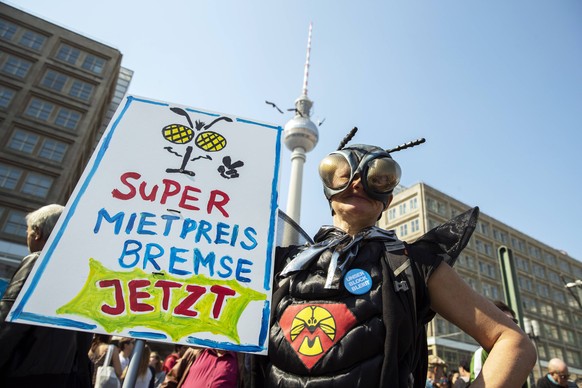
(494, 86)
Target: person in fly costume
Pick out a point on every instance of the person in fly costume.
(350, 309)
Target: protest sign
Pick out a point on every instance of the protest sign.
(169, 234)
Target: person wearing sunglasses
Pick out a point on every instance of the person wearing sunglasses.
(557, 375)
(344, 315)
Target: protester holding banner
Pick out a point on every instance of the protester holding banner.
(350, 310)
(37, 356)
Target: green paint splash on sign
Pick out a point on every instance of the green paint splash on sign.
(90, 300)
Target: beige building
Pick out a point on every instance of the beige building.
(541, 273)
(56, 94)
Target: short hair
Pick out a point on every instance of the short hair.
(44, 219)
(123, 342)
(465, 363)
(503, 307)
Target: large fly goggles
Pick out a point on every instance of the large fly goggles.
(378, 172)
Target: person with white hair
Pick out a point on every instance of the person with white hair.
(37, 356)
(557, 375)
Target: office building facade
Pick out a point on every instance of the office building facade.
(542, 273)
(56, 89)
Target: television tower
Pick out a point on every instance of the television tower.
(300, 136)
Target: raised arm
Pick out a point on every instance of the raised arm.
(511, 353)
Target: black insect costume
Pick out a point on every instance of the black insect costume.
(350, 311)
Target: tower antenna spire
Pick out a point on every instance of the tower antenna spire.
(306, 71)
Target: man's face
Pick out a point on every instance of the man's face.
(561, 377)
(33, 240)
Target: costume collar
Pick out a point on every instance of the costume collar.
(344, 250)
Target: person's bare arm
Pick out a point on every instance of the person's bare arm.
(116, 363)
(511, 353)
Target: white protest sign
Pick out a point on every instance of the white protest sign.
(169, 235)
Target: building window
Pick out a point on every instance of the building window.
(68, 54)
(414, 226)
(487, 270)
(525, 283)
(414, 203)
(67, 118)
(543, 291)
(392, 213)
(522, 264)
(37, 185)
(562, 316)
(470, 262)
(529, 304)
(483, 247)
(554, 278)
(500, 236)
(569, 337)
(431, 204)
(94, 64)
(81, 90)
(559, 296)
(539, 271)
(442, 209)
(490, 291)
(518, 244)
(15, 224)
(484, 228)
(546, 310)
(564, 266)
(403, 229)
(6, 96)
(554, 350)
(572, 357)
(32, 40)
(551, 331)
(550, 259)
(7, 30)
(17, 67)
(432, 224)
(23, 141)
(39, 109)
(402, 208)
(53, 150)
(9, 177)
(53, 80)
(535, 252)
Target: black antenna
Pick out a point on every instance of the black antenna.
(347, 138)
(407, 145)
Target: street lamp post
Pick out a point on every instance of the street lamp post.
(533, 331)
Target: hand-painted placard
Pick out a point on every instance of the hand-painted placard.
(169, 234)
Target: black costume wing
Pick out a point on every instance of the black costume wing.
(289, 232)
(449, 239)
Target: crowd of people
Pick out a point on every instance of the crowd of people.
(325, 330)
(441, 376)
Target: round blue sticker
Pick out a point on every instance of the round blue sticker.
(357, 281)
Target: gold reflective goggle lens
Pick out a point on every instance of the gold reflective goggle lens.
(335, 171)
(383, 175)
